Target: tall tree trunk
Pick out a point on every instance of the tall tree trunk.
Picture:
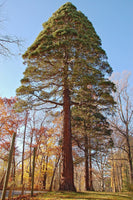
(86, 164)
(25, 126)
(67, 179)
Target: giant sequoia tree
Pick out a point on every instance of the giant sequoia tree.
(65, 59)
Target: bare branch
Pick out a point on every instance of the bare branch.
(121, 110)
(48, 101)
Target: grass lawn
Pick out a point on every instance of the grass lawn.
(84, 195)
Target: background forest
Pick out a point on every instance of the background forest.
(69, 95)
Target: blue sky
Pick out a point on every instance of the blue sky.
(112, 20)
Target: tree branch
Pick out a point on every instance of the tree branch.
(48, 101)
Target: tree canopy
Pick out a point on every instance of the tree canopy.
(68, 38)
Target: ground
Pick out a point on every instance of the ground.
(84, 196)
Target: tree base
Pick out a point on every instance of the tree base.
(66, 185)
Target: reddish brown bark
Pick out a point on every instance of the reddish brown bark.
(67, 178)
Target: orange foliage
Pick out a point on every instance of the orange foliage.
(9, 122)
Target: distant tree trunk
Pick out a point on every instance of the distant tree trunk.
(102, 177)
(67, 179)
(56, 165)
(113, 174)
(129, 155)
(44, 180)
(121, 181)
(90, 167)
(45, 174)
(31, 140)
(25, 126)
(80, 178)
(33, 172)
(2, 179)
(30, 162)
(8, 168)
(102, 185)
(13, 169)
(59, 171)
(86, 164)
(118, 178)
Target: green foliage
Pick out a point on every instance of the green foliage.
(67, 48)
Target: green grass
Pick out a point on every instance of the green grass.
(84, 196)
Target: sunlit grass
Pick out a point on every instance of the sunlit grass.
(84, 196)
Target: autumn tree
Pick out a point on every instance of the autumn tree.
(10, 122)
(65, 58)
(33, 132)
(47, 154)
